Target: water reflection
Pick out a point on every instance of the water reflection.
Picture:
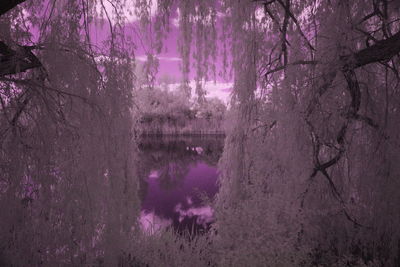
(179, 176)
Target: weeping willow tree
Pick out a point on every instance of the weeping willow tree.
(309, 169)
(309, 174)
(68, 183)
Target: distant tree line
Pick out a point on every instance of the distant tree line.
(163, 111)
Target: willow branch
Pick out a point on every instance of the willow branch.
(290, 14)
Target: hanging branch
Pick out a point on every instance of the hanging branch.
(270, 13)
(381, 51)
(290, 14)
(284, 39)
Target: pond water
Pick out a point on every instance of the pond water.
(179, 179)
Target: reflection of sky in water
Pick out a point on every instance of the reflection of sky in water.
(180, 205)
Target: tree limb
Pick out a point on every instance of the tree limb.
(7, 5)
(299, 62)
(13, 61)
(290, 14)
(381, 51)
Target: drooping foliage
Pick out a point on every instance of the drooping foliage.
(310, 161)
(68, 184)
(309, 174)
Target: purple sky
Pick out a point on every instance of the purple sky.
(169, 58)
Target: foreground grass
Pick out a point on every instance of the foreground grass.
(169, 248)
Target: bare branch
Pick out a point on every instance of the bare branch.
(299, 62)
(33, 83)
(367, 17)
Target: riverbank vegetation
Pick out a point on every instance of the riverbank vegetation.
(167, 112)
(309, 172)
